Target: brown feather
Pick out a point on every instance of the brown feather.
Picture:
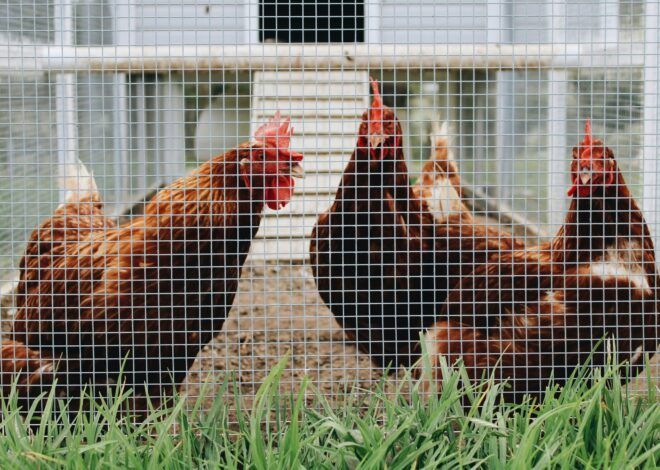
(31, 372)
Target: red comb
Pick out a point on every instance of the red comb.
(376, 110)
(588, 139)
(587, 144)
(378, 101)
(276, 132)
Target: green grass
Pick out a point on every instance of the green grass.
(589, 423)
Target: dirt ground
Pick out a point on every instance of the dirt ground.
(278, 311)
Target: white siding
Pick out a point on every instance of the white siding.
(583, 20)
(529, 21)
(196, 22)
(419, 21)
(432, 21)
(27, 21)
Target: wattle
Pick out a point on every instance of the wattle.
(278, 191)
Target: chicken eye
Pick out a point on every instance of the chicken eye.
(259, 155)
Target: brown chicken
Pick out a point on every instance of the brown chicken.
(530, 315)
(151, 292)
(382, 263)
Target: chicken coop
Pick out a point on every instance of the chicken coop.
(120, 242)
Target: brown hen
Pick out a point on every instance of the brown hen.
(382, 263)
(151, 292)
(529, 315)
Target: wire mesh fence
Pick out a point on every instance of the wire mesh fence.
(447, 200)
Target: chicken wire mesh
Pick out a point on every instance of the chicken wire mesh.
(141, 94)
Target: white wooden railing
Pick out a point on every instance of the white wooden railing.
(161, 59)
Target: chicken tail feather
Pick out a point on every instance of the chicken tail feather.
(440, 184)
(77, 182)
(442, 157)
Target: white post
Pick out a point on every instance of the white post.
(372, 21)
(65, 94)
(558, 149)
(609, 27)
(123, 26)
(171, 141)
(141, 153)
(252, 22)
(558, 156)
(499, 31)
(651, 152)
(496, 11)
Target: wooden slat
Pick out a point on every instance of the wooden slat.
(319, 183)
(325, 126)
(346, 76)
(304, 204)
(319, 109)
(268, 250)
(325, 143)
(314, 185)
(326, 163)
(285, 226)
(329, 90)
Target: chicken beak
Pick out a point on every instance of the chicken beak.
(585, 177)
(296, 170)
(375, 140)
(245, 172)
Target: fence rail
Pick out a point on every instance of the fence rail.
(133, 59)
